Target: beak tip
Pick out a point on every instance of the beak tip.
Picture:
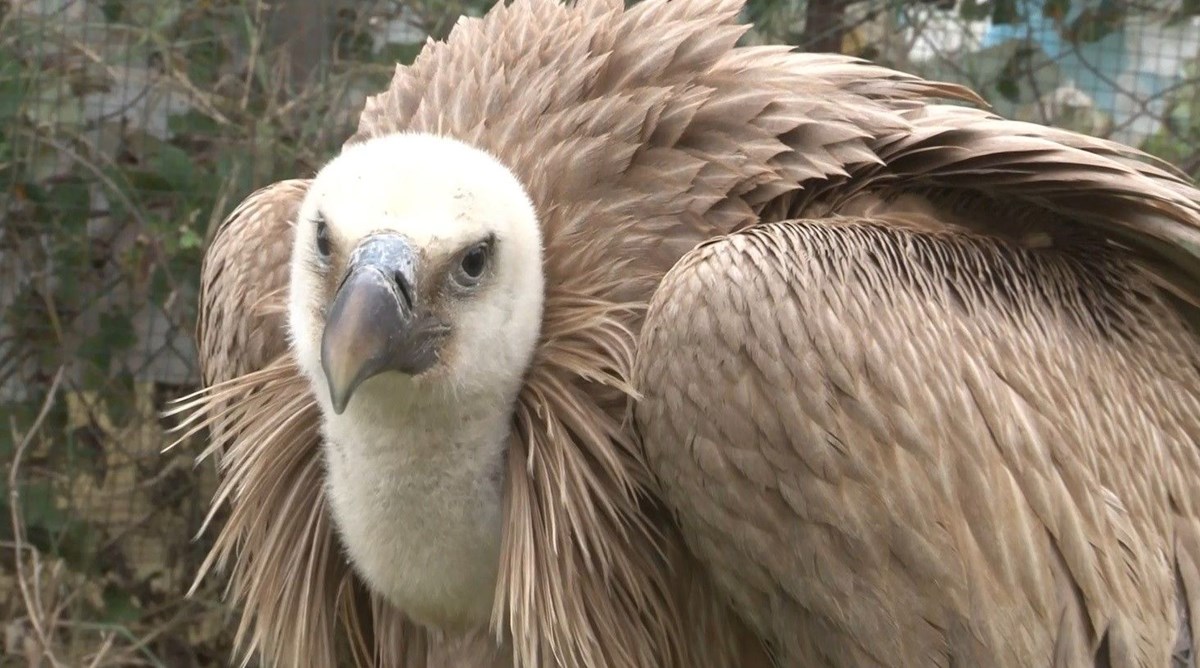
(339, 405)
(338, 397)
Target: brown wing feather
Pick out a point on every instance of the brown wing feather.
(894, 444)
(1122, 194)
(240, 325)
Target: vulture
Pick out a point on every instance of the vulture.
(608, 341)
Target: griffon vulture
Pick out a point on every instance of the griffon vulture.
(606, 342)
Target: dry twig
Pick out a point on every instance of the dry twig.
(29, 594)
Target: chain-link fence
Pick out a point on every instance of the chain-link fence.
(131, 127)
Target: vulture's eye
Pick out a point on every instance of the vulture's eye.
(473, 264)
(324, 247)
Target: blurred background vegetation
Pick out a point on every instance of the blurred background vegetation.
(129, 128)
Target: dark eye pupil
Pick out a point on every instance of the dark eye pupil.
(473, 262)
(322, 238)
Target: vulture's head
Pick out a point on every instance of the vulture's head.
(417, 266)
(415, 306)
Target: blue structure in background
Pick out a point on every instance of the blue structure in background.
(1094, 67)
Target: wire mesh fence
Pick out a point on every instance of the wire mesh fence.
(131, 127)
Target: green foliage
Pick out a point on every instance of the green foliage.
(776, 20)
(1079, 21)
(1178, 141)
(999, 11)
(1006, 11)
(1186, 10)
(1016, 67)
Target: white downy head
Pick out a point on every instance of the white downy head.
(415, 307)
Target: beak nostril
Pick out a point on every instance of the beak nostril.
(390, 259)
(405, 289)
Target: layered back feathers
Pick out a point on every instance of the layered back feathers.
(638, 133)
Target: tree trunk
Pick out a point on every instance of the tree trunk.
(298, 31)
(823, 27)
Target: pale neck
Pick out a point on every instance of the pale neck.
(416, 490)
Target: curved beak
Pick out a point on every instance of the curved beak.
(374, 324)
